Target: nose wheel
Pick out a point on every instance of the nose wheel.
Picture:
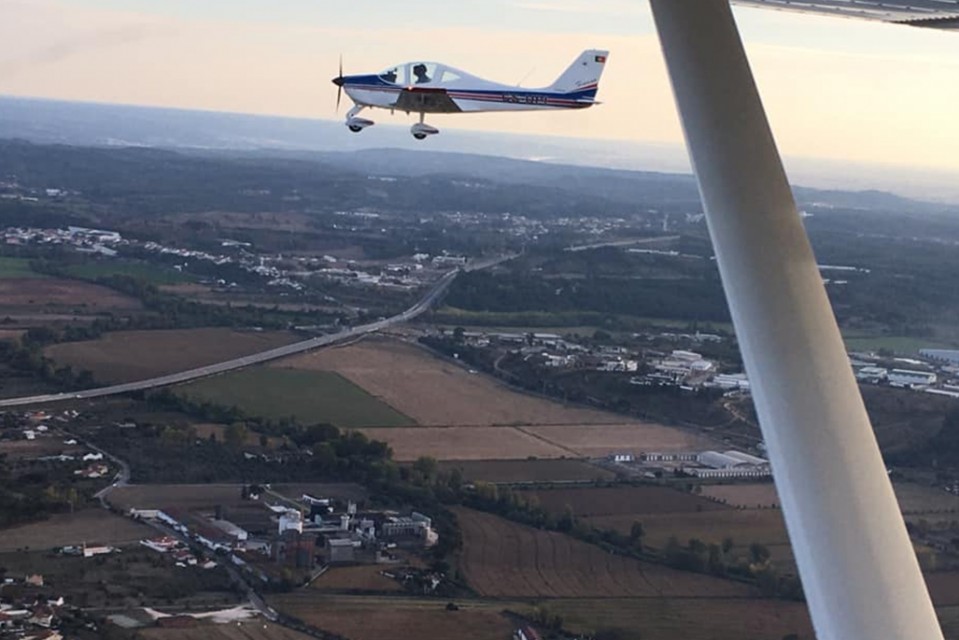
(354, 123)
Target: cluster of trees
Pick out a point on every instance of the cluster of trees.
(34, 492)
(25, 357)
(699, 299)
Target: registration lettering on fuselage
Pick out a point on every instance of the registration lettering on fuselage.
(524, 98)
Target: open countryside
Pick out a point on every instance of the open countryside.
(506, 559)
(436, 392)
(128, 356)
(93, 525)
(498, 416)
(311, 397)
(376, 618)
(476, 417)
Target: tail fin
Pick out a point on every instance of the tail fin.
(583, 74)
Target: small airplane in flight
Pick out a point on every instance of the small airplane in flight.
(431, 87)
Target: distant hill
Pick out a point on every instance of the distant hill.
(383, 149)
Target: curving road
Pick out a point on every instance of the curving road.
(238, 363)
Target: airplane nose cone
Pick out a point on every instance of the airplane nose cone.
(338, 81)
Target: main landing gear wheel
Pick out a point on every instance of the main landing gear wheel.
(419, 136)
(354, 128)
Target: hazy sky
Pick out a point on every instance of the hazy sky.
(834, 88)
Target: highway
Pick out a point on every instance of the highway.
(238, 363)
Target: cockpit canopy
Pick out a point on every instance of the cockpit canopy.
(421, 73)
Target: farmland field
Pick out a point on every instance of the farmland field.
(240, 630)
(126, 356)
(204, 496)
(19, 449)
(43, 293)
(359, 578)
(918, 499)
(311, 397)
(913, 498)
(408, 378)
(765, 526)
(902, 345)
(597, 440)
(93, 526)
(508, 471)
(504, 559)
(463, 443)
(688, 619)
(747, 496)
(17, 268)
(154, 274)
(586, 502)
(396, 618)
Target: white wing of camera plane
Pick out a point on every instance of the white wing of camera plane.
(432, 87)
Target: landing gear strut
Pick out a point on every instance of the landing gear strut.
(420, 130)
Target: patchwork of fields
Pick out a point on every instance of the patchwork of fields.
(311, 397)
(434, 392)
(464, 416)
(126, 356)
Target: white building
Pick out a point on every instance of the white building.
(291, 520)
(230, 529)
(731, 381)
(872, 374)
(947, 356)
(911, 379)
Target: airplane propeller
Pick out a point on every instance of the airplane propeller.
(338, 81)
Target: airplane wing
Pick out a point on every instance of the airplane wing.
(430, 100)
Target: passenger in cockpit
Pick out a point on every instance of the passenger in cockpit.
(420, 72)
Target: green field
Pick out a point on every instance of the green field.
(549, 320)
(901, 345)
(17, 268)
(154, 274)
(311, 397)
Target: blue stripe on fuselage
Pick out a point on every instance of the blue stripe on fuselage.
(376, 82)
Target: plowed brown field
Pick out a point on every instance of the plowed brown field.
(36, 293)
(463, 443)
(621, 501)
(504, 559)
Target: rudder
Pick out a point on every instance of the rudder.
(584, 73)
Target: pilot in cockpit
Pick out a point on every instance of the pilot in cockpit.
(390, 76)
(420, 72)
